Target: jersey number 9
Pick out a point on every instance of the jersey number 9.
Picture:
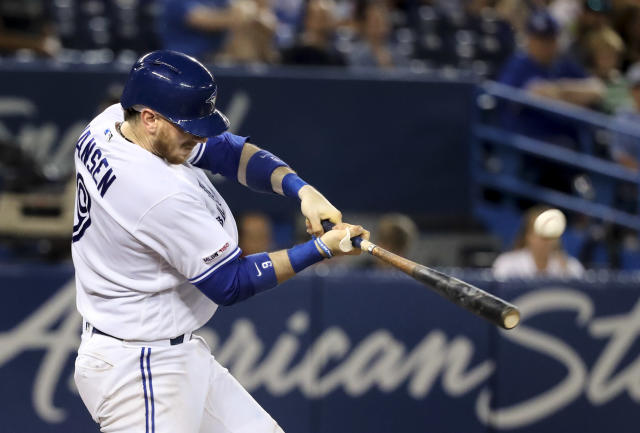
(82, 220)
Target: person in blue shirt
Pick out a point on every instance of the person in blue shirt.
(199, 27)
(543, 71)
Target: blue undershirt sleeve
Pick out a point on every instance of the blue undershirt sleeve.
(239, 279)
(220, 154)
(244, 277)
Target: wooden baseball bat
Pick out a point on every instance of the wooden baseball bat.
(469, 297)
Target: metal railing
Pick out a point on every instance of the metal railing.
(513, 149)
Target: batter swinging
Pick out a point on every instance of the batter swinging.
(155, 248)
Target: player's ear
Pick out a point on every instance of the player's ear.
(150, 120)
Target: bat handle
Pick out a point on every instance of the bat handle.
(328, 225)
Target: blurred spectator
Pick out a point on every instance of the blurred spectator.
(606, 50)
(315, 45)
(628, 24)
(544, 71)
(535, 256)
(255, 233)
(566, 13)
(594, 15)
(395, 233)
(289, 14)
(199, 27)
(626, 149)
(373, 46)
(253, 41)
(27, 25)
(633, 77)
(517, 12)
(574, 17)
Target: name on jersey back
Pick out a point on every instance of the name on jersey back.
(91, 156)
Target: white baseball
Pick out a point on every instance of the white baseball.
(550, 224)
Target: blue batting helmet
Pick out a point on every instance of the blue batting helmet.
(180, 88)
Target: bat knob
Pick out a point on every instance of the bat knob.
(327, 225)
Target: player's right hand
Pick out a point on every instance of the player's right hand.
(315, 207)
(333, 239)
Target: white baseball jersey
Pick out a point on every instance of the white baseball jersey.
(144, 231)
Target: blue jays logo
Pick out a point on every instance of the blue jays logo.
(212, 101)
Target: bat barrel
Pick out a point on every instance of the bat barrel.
(471, 298)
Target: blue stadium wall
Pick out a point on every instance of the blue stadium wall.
(364, 352)
(371, 142)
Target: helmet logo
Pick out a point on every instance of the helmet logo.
(212, 101)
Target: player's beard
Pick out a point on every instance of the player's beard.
(166, 147)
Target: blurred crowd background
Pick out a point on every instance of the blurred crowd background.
(601, 36)
(585, 53)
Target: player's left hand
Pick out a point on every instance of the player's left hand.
(338, 240)
(315, 207)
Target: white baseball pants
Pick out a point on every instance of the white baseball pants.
(157, 388)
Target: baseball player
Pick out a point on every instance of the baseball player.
(155, 249)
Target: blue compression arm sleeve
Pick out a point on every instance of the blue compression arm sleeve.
(259, 169)
(239, 279)
(244, 277)
(221, 155)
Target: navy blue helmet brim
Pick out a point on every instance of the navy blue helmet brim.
(208, 126)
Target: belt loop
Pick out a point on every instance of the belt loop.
(87, 327)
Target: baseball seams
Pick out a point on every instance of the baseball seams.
(550, 224)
